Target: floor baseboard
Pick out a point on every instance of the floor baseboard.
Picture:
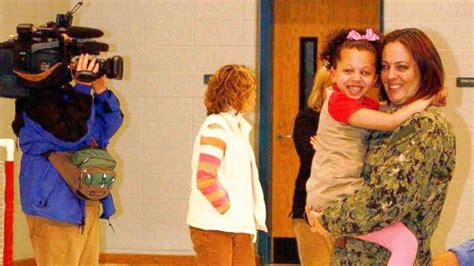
(123, 258)
(127, 259)
(132, 259)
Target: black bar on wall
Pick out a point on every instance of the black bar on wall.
(308, 67)
(265, 126)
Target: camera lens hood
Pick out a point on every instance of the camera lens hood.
(117, 67)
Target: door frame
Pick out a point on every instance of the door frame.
(265, 22)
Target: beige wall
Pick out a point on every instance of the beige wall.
(168, 46)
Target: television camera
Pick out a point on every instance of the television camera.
(51, 48)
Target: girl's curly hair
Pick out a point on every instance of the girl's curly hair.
(230, 87)
(337, 41)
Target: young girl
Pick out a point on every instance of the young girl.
(311, 250)
(346, 118)
(226, 205)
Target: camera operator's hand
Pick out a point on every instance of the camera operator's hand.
(99, 85)
(84, 64)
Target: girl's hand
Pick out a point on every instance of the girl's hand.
(441, 98)
(312, 141)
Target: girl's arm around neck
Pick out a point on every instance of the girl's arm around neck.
(377, 120)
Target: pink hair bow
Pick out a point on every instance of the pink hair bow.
(369, 36)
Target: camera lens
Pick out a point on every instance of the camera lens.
(112, 67)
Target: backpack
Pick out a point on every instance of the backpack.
(88, 172)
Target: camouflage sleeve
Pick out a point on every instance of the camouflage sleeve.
(395, 181)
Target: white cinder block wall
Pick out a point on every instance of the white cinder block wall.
(168, 46)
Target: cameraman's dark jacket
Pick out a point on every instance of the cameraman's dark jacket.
(43, 191)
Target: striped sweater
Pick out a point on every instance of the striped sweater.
(211, 152)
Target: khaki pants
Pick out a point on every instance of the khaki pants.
(313, 249)
(447, 258)
(58, 243)
(217, 248)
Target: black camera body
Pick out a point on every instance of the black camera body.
(36, 50)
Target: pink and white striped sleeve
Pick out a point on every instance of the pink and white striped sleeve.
(211, 152)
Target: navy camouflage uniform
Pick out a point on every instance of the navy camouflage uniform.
(406, 177)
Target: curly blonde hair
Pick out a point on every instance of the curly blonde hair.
(231, 86)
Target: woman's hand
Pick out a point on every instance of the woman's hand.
(312, 141)
(313, 221)
(317, 227)
(308, 209)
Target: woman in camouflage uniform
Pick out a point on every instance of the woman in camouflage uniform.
(407, 171)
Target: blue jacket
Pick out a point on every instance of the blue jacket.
(43, 191)
(465, 253)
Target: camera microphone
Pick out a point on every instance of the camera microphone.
(83, 32)
(87, 46)
(95, 46)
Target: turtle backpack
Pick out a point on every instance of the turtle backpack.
(89, 172)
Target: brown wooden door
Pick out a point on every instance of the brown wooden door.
(293, 20)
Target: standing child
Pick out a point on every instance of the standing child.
(346, 118)
(226, 205)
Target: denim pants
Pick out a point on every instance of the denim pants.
(222, 248)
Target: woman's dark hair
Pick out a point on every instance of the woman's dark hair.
(338, 41)
(426, 57)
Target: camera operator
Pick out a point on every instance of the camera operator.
(63, 228)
